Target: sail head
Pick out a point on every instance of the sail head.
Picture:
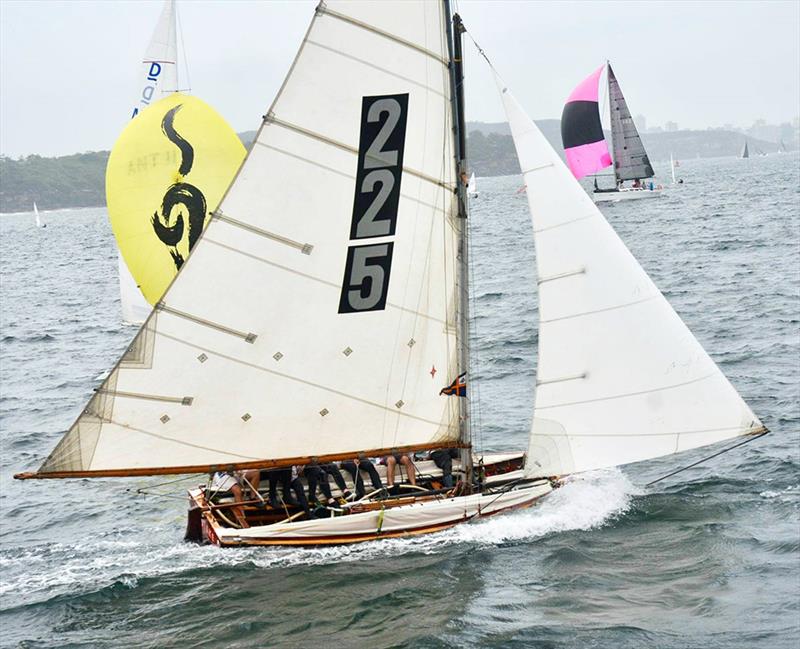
(630, 158)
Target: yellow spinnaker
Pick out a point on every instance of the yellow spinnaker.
(167, 172)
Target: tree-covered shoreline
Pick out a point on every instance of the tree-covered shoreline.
(78, 180)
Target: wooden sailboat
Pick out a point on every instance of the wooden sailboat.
(324, 314)
(585, 146)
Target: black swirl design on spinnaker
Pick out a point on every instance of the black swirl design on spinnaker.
(184, 194)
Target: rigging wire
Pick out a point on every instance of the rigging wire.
(185, 58)
(725, 450)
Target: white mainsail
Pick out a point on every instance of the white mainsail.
(620, 377)
(157, 77)
(36, 215)
(672, 168)
(296, 329)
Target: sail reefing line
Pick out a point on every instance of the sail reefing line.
(329, 368)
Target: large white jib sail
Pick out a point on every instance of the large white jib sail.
(620, 377)
(316, 315)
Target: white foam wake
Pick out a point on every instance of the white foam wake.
(42, 572)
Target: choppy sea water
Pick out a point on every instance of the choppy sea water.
(709, 558)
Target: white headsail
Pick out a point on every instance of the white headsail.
(317, 314)
(158, 76)
(36, 215)
(620, 377)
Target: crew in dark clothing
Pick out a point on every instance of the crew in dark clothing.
(443, 458)
(354, 468)
(317, 475)
(289, 481)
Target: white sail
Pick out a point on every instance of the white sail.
(279, 338)
(473, 186)
(620, 377)
(158, 75)
(36, 215)
(672, 167)
(135, 308)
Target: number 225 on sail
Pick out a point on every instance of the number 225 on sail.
(380, 168)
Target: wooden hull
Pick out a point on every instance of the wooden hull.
(417, 513)
(423, 515)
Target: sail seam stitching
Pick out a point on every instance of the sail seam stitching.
(558, 225)
(248, 337)
(357, 23)
(610, 308)
(629, 394)
(344, 174)
(377, 67)
(305, 248)
(317, 279)
(271, 119)
(319, 386)
(539, 168)
(679, 432)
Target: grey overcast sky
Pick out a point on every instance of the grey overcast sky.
(67, 68)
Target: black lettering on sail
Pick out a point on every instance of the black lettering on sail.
(170, 232)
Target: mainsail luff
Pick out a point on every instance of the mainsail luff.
(620, 377)
(630, 158)
(231, 369)
(455, 30)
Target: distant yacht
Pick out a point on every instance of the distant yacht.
(585, 146)
(39, 223)
(473, 186)
(745, 153)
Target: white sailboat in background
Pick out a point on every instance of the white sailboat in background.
(39, 223)
(585, 146)
(473, 186)
(219, 377)
(158, 76)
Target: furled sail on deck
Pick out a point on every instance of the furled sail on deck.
(582, 131)
(630, 158)
(316, 314)
(620, 377)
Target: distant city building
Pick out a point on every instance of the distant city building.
(641, 123)
(671, 126)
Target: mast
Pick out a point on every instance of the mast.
(456, 68)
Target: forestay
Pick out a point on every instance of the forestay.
(630, 158)
(316, 315)
(620, 377)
